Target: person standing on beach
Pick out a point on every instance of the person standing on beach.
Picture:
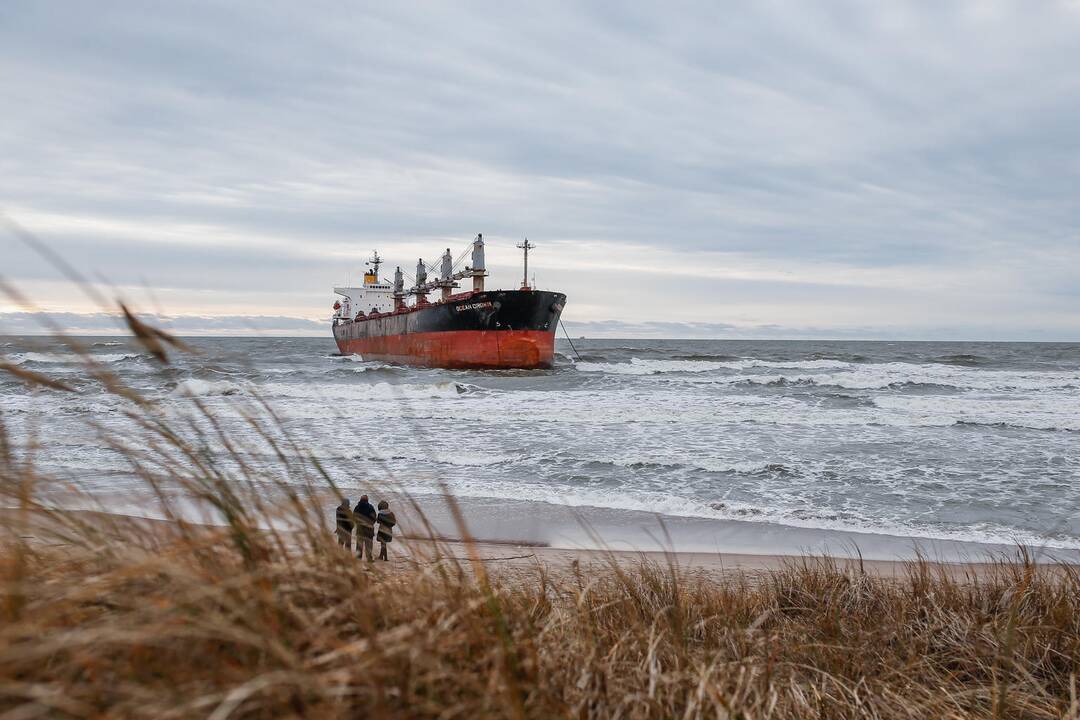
(365, 515)
(387, 521)
(344, 524)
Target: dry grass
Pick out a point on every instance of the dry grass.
(114, 619)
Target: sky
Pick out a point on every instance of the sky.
(685, 169)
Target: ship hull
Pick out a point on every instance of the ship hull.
(487, 330)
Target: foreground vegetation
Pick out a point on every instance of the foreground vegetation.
(106, 617)
(214, 625)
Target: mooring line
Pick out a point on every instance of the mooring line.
(568, 339)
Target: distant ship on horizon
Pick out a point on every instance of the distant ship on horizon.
(476, 329)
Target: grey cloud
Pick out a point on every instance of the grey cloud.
(724, 331)
(871, 136)
(33, 323)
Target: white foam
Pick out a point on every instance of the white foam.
(639, 366)
(442, 457)
(896, 375)
(1039, 411)
(373, 366)
(846, 375)
(348, 358)
(356, 394)
(193, 387)
(113, 357)
(690, 461)
(663, 503)
(68, 358)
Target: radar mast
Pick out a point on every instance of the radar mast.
(374, 264)
(526, 246)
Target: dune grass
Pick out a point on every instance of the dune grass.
(264, 616)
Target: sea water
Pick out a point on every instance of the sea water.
(976, 442)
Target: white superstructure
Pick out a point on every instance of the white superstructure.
(373, 296)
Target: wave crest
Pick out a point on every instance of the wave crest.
(70, 358)
(194, 387)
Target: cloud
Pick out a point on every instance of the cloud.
(256, 152)
(34, 323)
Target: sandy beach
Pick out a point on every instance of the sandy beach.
(510, 558)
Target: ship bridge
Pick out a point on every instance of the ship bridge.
(373, 296)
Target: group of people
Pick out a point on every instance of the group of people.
(365, 518)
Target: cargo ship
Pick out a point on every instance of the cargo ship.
(475, 329)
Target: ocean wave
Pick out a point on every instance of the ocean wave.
(1033, 412)
(381, 391)
(704, 464)
(70, 358)
(706, 357)
(193, 387)
(378, 369)
(869, 376)
(962, 359)
(840, 383)
(347, 358)
(698, 414)
(899, 376)
(639, 366)
(339, 368)
(1002, 425)
(459, 459)
(673, 505)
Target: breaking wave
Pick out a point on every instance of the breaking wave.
(961, 359)
(638, 366)
(459, 459)
(381, 391)
(194, 387)
(702, 464)
(70, 358)
(675, 505)
(901, 375)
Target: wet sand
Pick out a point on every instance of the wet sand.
(559, 526)
(514, 558)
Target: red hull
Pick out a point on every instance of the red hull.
(460, 348)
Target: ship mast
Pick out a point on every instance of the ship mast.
(372, 275)
(526, 246)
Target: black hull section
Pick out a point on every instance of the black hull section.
(494, 310)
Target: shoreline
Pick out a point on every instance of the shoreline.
(565, 527)
(517, 558)
(596, 529)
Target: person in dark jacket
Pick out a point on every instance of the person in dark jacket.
(364, 515)
(344, 524)
(387, 521)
